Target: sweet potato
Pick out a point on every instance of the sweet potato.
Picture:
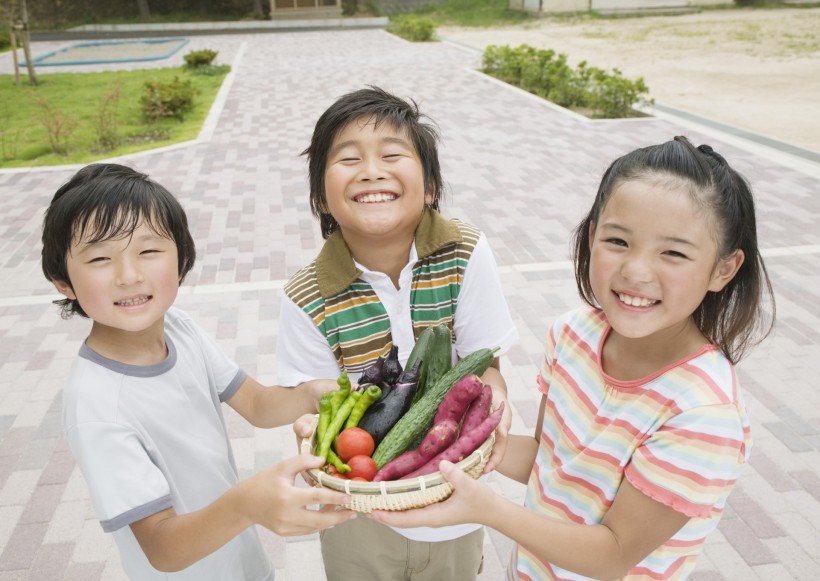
(478, 410)
(455, 403)
(464, 446)
(439, 437)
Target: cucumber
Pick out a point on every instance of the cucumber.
(440, 355)
(437, 357)
(420, 348)
(421, 414)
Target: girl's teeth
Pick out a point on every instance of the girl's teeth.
(635, 301)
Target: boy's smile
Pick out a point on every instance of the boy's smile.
(374, 184)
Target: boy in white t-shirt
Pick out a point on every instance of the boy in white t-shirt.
(142, 408)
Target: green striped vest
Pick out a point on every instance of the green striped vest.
(346, 309)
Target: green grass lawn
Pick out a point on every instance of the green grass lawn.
(479, 13)
(78, 101)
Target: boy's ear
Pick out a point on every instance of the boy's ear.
(64, 289)
(726, 270)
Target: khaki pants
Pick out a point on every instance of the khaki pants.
(364, 550)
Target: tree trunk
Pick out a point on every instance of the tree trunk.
(145, 10)
(257, 9)
(24, 38)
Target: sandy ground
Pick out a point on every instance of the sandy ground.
(755, 69)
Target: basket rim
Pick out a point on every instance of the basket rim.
(419, 483)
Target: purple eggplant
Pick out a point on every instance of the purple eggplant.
(373, 374)
(382, 415)
(392, 367)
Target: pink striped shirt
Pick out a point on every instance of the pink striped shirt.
(681, 436)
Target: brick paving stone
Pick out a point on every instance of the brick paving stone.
(522, 170)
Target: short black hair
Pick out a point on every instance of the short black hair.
(382, 107)
(107, 201)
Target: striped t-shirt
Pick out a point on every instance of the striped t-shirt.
(346, 308)
(681, 436)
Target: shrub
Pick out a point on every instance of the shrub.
(58, 124)
(104, 121)
(200, 58)
(160, 100)
(547, 74)
(412, 27)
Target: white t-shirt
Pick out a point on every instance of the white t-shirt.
(147, 438)
(303, 353)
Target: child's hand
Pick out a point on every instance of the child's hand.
(463, 506)
(317, 387)
(303, 427)
(272, 499)
(501, 433)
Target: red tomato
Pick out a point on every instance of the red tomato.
(362, 466)
(354, 442)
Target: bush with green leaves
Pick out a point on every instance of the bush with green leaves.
(591, 90)
(412, 27)
(173, 99)
(200, 58)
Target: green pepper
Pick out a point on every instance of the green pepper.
(369, 396)
(324, 416)
(340, 395)
(334, 459)
(336, 424)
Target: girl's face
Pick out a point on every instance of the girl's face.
(653, 259)
(125, 284)
(374, 183)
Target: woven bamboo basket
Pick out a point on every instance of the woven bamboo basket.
(399, 494)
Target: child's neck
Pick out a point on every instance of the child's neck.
(629, 359)
(145, 347)
(387, 257)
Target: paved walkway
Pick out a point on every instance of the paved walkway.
(520, 169)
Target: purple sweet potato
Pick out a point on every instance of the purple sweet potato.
(478, 410)
(464, 446)
(455, 403)
(439, 437)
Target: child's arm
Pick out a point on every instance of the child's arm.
(519, 456)
(495, 380)
(632, 528)
(270, 407)
(172, 542)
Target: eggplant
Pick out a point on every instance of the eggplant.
(373, 374)
(392, 367)
(382, 415)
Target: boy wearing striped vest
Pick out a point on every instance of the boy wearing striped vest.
(391, 265)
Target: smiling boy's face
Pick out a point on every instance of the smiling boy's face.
(124, 284)
(374, 183)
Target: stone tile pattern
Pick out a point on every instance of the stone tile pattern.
(521, 170)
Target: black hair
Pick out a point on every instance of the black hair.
(732, 318)
(382, 107)
(107, 201)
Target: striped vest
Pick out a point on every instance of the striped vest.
(346, 309)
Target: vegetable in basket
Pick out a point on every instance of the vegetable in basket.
(419, 417)
(383, 415)
(466, 444)
(440, 436)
